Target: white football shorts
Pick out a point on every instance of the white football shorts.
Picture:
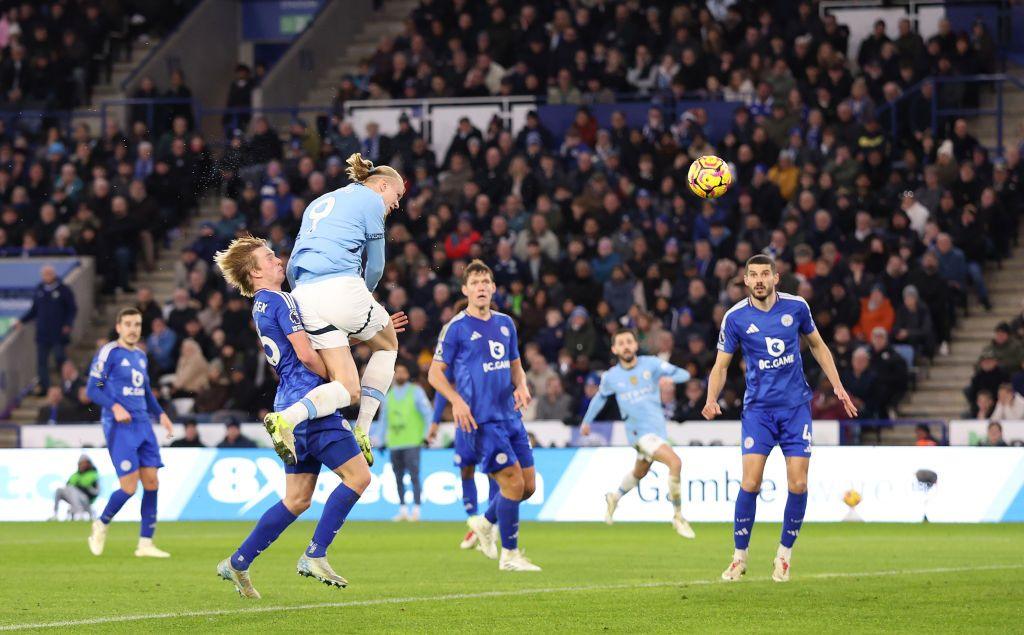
(335, 309)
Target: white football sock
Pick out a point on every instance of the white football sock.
(628, 482)
(325, 399)
(377, 376)
(739, 554)
(785, 552)
(673, 492)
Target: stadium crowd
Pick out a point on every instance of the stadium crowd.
(883, 235)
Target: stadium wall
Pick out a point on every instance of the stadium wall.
(206, 46)
(317, 49)
(974, 485)
(18, 349)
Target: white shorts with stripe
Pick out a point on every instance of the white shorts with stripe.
(335, 309)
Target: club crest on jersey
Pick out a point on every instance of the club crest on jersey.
(504, 331)
(787, 320)
(647, 374)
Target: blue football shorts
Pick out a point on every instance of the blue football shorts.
(501, 444)
(131, 446)
(330, 443)
(788, 428)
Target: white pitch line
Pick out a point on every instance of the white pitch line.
(480, 595)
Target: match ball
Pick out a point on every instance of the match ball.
(709, 177)
(852, 498)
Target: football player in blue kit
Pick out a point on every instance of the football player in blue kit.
(466, 460)
(250, 265)
(776, 406)
(481, 348)
(635, 383)
(119, 384)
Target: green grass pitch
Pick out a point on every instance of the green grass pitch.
(413, 578)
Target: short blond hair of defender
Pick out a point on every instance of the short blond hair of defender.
(238, 261)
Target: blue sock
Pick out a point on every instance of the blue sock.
(270, 525)
(336, 509)
(743, 524)
(793, 518)
(148, 512)
(492, 506)
(469, 497)
(117, 500)
(508, 522)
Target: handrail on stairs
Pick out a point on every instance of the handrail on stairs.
(938, 111)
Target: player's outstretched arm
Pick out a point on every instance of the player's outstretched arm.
(716, 381)
(828, 364)
(460, 409)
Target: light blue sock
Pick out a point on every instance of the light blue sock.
(117, 500)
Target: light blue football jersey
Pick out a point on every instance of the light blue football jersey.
(637, 394)
(338, 229)
(771, 348)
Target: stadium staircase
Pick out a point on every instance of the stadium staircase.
(388, 21)
(939, 393)
(160, 280)
(111, 90)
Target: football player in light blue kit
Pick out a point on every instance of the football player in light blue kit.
(635, 382)
(776, 405)
(252, 267)
(119, 384)
(334, 293)
(481, 348)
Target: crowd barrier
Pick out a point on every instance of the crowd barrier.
(546, 434)
(974, 485)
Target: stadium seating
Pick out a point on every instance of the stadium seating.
(592, 220)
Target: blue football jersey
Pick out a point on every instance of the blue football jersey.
(336, 230)
(638, 395)
(479, 354)
(277, 316)
(119, 375)
(771, 349)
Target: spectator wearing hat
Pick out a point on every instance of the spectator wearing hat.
(233, 437)
(913, 323)
(580, 337)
